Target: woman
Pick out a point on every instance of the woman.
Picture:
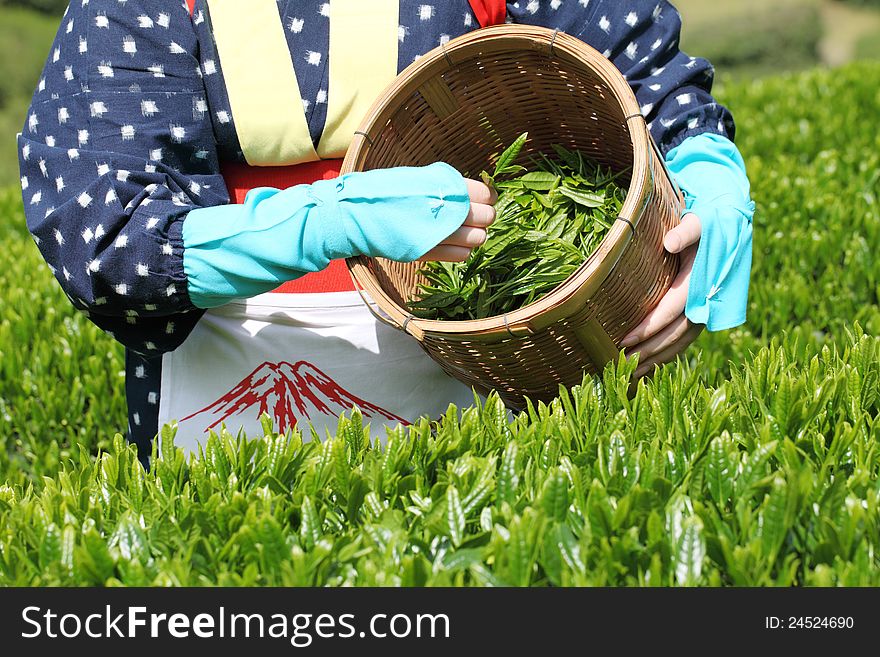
(153, 119)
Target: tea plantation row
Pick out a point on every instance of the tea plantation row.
(753, 461)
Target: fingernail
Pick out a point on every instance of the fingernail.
(672, 243)
(628, 341)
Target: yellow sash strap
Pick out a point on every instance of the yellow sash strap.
(363, 61)
(261, 82)
(264, 93)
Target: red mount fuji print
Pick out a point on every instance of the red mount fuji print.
(288, 393)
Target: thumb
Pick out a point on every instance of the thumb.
(686, 233)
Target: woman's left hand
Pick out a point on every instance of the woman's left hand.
(665, 332)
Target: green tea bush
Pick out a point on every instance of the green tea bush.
(753, 460)
(61, 379)
(770, 479)
(814, 164)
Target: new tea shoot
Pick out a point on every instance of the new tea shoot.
(549, 219)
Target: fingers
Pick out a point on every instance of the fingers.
(684, 235)
(467, 236)
(670, 307)
(458, 246)
(472, 233)
(669, 353)
(480, 215)
(447, 253)
(480, 192)
(663, 339)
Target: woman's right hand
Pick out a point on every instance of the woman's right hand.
(472, 233)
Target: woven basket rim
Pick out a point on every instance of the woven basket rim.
(582, 283)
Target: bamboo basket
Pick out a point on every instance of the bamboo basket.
(464, 103)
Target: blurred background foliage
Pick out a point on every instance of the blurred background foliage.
(753, 35)
(54, 7)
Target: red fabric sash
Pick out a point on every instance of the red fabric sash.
(240, 178)
(489, 12)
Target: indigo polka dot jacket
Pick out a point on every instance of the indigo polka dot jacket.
(131, 119)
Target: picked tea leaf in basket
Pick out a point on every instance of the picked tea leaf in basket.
(549, 219)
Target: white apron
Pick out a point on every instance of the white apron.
(303, 359)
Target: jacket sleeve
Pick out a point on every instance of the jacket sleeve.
(116, 149)
(641, 38)
(711, 173)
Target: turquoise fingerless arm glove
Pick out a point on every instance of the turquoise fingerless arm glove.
(239, 251)
(711, 173)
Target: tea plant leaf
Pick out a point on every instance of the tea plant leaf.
(50, 546)
(94, 559)
(554, 497)
(548, 222)
(130, 540)
(510, 153)
(569, 549)
(310, 527)
(508, 477)
(772, 519)
(690, 552)
(539, 180)
(585, 199)
(455, 518)
(551, 556)
(753, 467)
(719, 469)
(66, 557)
(520, 553)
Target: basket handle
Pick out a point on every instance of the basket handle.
(594, 339)
(375, 312)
